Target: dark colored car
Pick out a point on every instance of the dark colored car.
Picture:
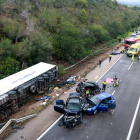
(92, 86)
(72, 111)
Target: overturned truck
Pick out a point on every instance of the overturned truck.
(16, 88)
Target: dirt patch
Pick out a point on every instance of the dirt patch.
(32, 106)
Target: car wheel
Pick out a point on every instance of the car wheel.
(95, 111)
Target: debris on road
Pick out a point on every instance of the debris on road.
(45, 97)
(23, 137)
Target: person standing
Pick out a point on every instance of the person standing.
(100, 61)
(87, 92)
(104, 85)
(116, 81)
(132, 59)
(110, 56)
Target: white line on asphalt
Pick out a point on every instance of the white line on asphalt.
(130, 65)
(110, 68)
(96, 77)
(62, 115)
(133, 121)
(49, 128)
(113, 92)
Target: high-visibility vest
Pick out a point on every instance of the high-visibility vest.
(110, 55)
(87, 91)
(105, 83)
(133, 56)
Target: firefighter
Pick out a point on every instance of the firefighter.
(104, 85)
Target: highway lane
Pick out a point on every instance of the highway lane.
(104, 126)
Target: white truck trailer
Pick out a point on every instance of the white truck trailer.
(16, 88)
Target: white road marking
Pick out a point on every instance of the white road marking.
(110, 68)
(130, 65)
(133, 121)
(96, 77)
(62, 115)
(113, 92)
(49, 128)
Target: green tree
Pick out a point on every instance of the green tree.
(83, 16)
(5, 48)
(8, 66)
(13, 29)
(42, 49)
(82, 3)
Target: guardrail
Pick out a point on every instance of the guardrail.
(26, 118)
(17, 121)
(85, 58)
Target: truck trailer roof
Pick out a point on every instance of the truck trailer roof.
(23, 76)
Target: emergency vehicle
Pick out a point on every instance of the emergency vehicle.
(130, 41)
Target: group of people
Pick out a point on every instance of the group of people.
(115, 83)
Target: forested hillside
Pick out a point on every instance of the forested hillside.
(33, 31)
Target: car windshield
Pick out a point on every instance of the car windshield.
(95, 100)
(132, 49)
(73, 106)
(133, 36)
(129, 42)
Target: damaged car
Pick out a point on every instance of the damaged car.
(92, 86)
(98, 103)
(72, 110)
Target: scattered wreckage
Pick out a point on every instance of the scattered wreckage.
(74, 107)
(70, 80)
(72, 111)
(92, 86)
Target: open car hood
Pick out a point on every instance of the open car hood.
(72, 111)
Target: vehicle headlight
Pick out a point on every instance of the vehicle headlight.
(89, 109)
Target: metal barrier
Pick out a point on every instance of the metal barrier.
(26, 118)
(85, 58)
(17, 121)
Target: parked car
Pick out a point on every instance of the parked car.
(97, 103)
(72, 111)
(92, 86)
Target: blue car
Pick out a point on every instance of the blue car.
(97, 103)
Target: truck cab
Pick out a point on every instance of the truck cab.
(129, 42)
(134, 49)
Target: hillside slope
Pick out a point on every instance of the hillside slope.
(32, 31)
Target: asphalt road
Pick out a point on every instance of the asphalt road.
(124, 123)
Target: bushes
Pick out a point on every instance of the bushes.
(8, 66)
(81, 3)
(61, 70)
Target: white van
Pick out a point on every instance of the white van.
(133, 35)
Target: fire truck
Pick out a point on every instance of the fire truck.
(130, 41)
